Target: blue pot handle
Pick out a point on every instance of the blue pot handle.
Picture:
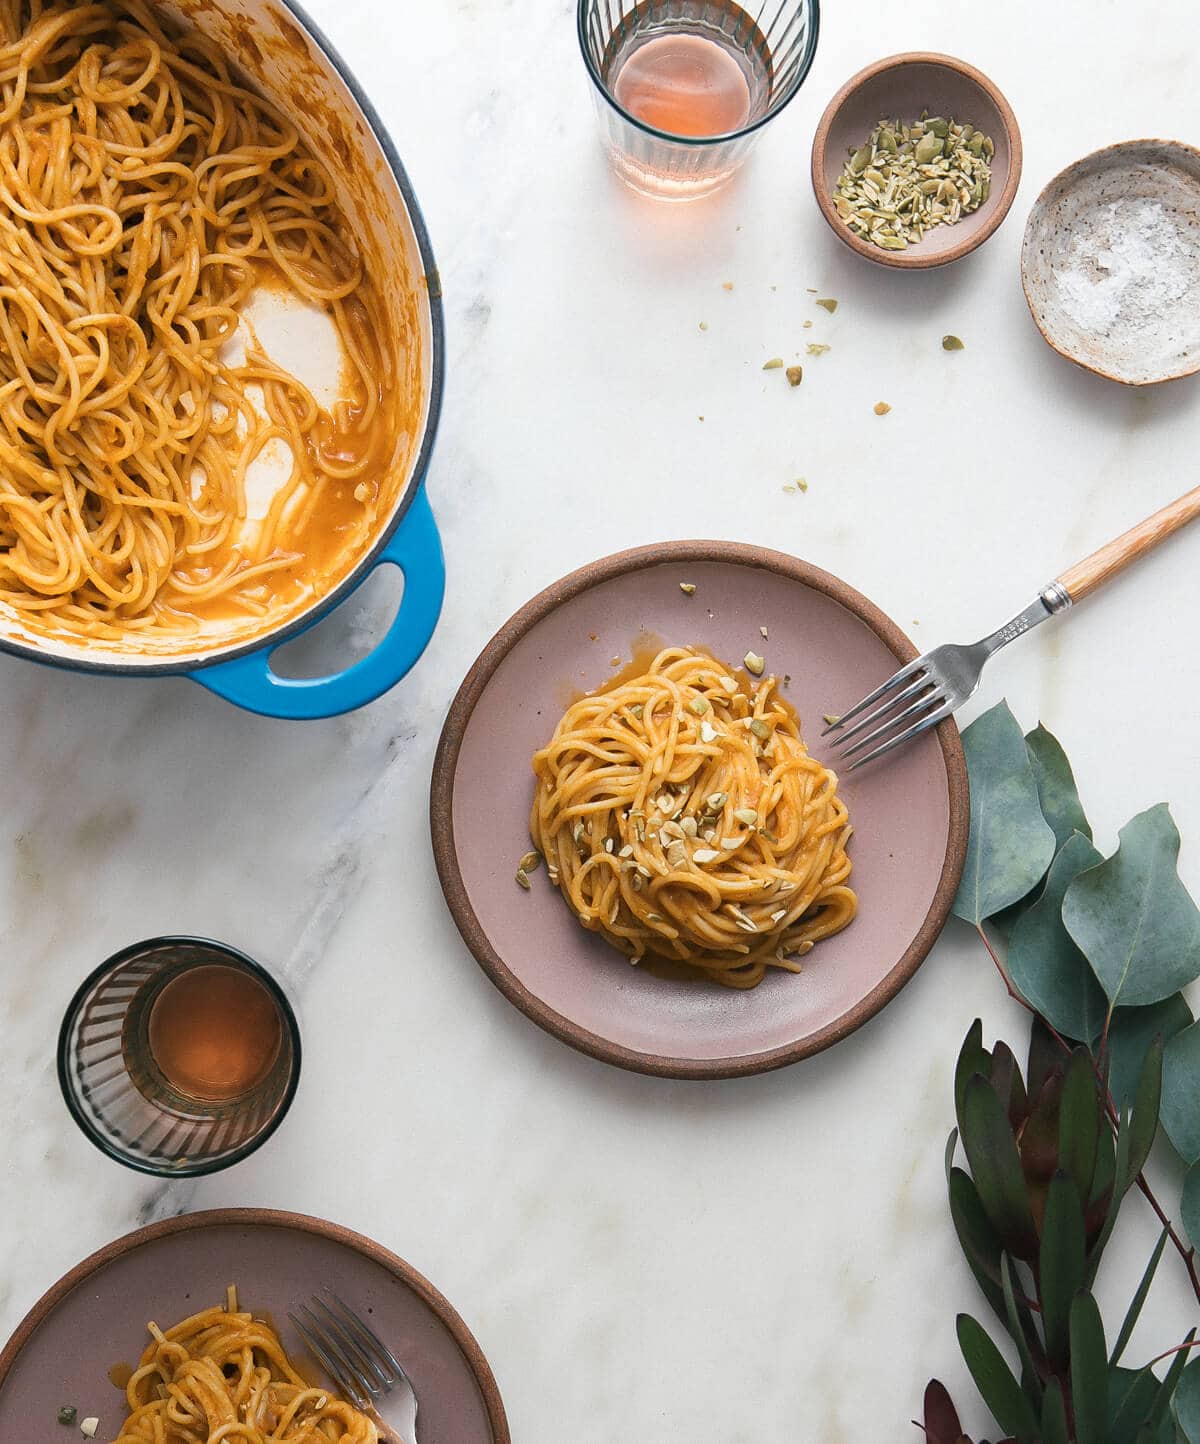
(249, 682)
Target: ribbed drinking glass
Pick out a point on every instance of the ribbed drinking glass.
(179, 1056)
(683, 88)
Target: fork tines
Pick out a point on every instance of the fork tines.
(913, 684)
(357, 1360)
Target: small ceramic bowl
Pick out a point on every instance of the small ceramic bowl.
(901, 87)
(1111, 262)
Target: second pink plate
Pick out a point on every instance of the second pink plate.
(910, 812)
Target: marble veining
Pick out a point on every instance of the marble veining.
(765, 1261)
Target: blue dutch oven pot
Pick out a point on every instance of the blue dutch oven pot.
(284, 55)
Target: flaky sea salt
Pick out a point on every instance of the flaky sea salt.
(1131, 261)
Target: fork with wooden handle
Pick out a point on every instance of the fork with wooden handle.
(929, 689)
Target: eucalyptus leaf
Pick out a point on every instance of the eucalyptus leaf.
(1181, 1092)
(1133, 918)
(1057, 792)
(994, 1380)
(1189, 1206)
(1011, 844)
(995, 1163)
(1061, 1264)
(1089, 1371)
(1044, 964)
(1186, 1402)
(1129, 1035)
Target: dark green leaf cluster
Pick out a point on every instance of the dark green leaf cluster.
(1034, 1209)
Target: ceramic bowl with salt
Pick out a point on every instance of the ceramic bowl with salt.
(1111, 262)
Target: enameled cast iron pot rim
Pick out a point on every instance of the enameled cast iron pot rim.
(268, 641)
(272, 1218)
(441, 813)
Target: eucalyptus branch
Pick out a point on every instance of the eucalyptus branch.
(1174, 1349)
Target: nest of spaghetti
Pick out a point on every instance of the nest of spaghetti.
(224, 1375)
(681, 816)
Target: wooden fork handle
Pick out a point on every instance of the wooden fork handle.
(1094, 571)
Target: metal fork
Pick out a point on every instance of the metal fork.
(929, 689)
(360, 1364)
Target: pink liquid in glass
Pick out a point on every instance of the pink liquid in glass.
(685, 85)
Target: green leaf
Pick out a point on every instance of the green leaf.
(1181, 1092)
(1131, 1396)
(1143, 1119)
(1057, 793)
(1039, 1144)
(1089, 1370)
(1044, 1055)
(1061, 1264)
(1130, 1034)
(1044, 964)
(973, 1058)
(1054, 1415)
(1120, 1173)
(995, 1163)
(1133, 918)
(1170, 1383)
(994, 1380)
(1139, 1298)
(1011, 844)
(1009, 1085)
(1079, 1123)
(951, 1145)
(1102, 1182)
(976, 1237)
(1189, 1206)
(1016, 1319)
(1186, 1403)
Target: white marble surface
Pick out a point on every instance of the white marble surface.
(766, 1260)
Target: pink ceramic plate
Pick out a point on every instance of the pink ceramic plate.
(96, 1316)
(909, 813)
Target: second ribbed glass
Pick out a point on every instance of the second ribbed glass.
(684, 87)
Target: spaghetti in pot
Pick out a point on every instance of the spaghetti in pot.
(144, 194)
(223, 1375)
(680, 815)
